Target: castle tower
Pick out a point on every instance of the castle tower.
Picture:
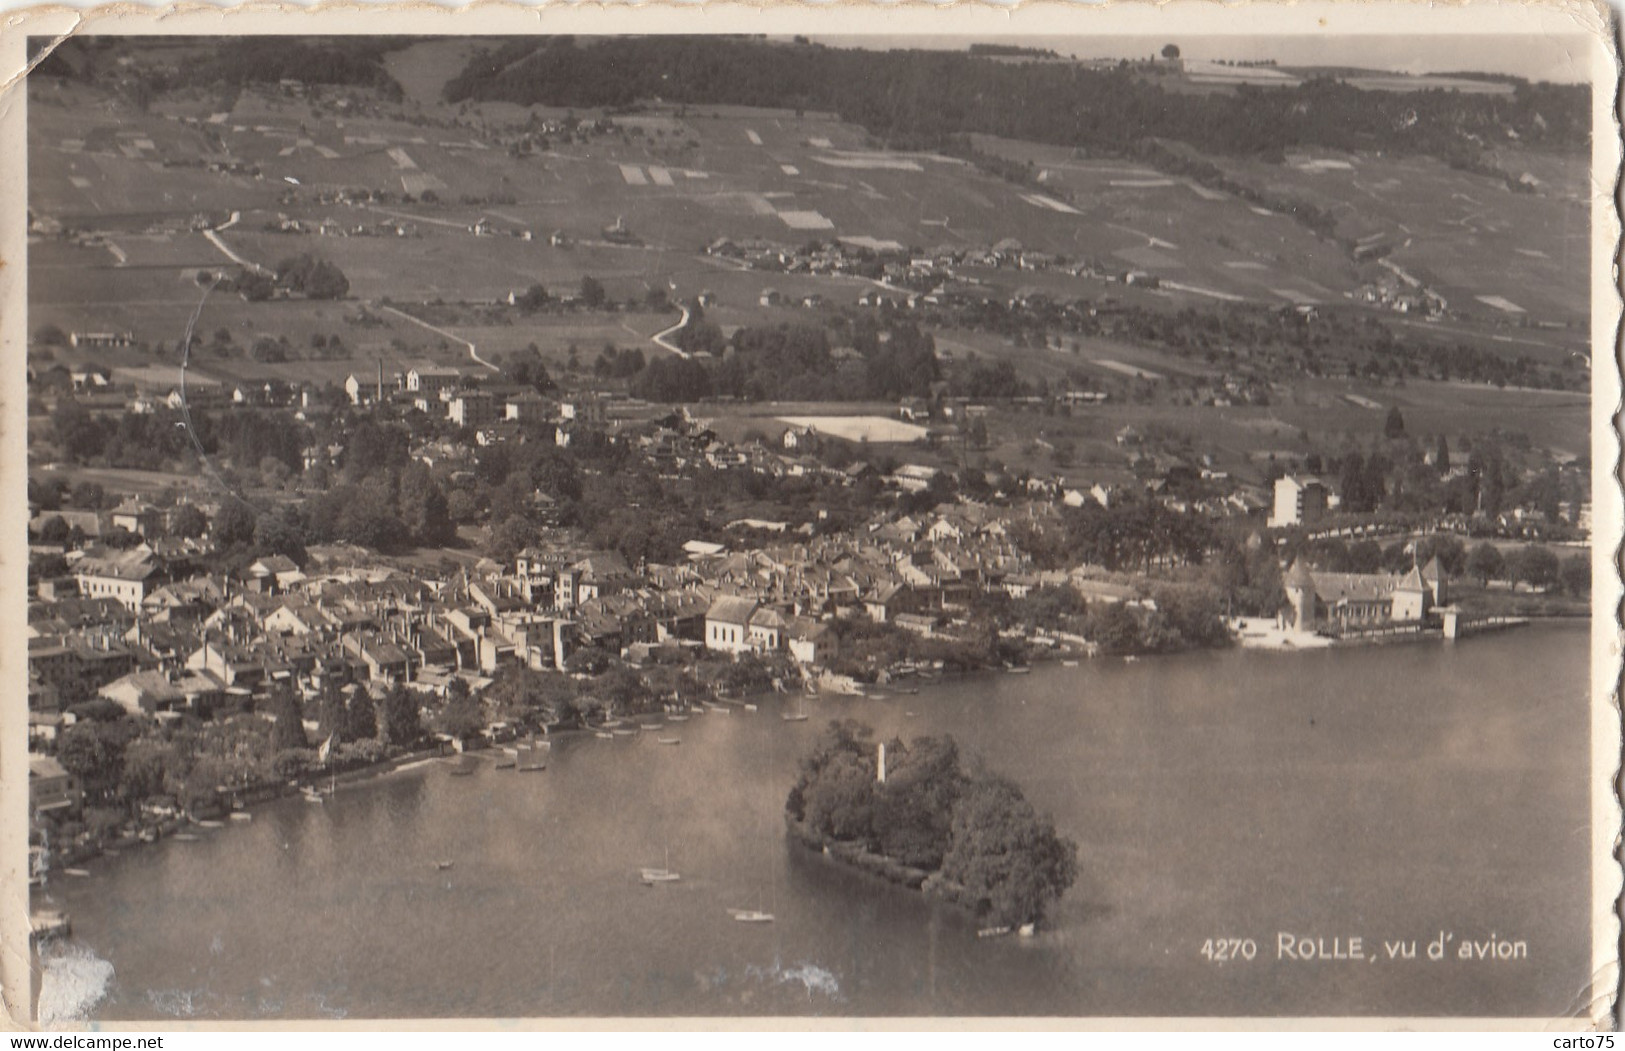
(1433, 576)
(1300, 592)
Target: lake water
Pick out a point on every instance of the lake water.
(1391, 794)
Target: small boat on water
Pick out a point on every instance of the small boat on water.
(750, 707)
(1026, 930)
(49, 923)
(442, 866)
(625, 733)
(241, 815)
(1020, 669)
(77, 873)
(310, 795)
(187, 837)
(752, 916)
(794, 717)
(530, 768)
(504, 764)
(677, 718)
(211, 824)
(603, 733)
(664, 874)
(669, 740)
(1069, 664)
(650, 726)
(1131, 659)
(993, 932)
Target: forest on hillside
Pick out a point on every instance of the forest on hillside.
(918, 98)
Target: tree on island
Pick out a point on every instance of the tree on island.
(978, 841)
(1008, 859)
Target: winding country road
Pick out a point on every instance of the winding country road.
(659, 338)
(214, 239)
(473, 352)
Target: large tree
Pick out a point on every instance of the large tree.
(1485, 562)
(287, 731)
(398, 723)
(1576, 575)
(234, 523)
(360, 717)
(93, 751)
(1535, 566)
(461, 717)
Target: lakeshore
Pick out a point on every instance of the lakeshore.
(906, 679)
(1173, 775)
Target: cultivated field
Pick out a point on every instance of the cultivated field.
(676, 181)
(1465, 235)
(875, 429)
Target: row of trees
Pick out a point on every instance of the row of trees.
(1532, 565)
(973, 830)
(1501, 472)
(792, 363)
(1132, 534)
(338, 61)
(123, 761)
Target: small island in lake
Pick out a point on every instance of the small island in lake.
(913, 814)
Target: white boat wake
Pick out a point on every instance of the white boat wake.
(811, 977)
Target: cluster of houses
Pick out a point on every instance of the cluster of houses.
(145, 628)
(912, 278)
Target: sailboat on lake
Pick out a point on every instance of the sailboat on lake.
(751, 915)
(663, 874)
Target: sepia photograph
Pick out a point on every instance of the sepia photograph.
(1020, 515)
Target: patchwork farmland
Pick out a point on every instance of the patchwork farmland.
(430, 212)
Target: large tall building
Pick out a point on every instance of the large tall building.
(1298, 501)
